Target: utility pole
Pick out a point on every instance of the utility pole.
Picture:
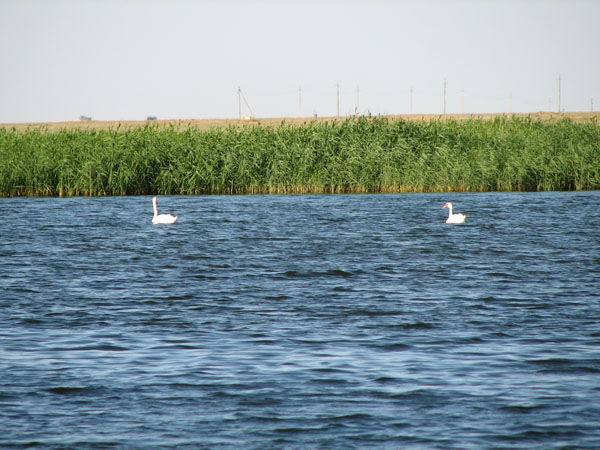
(241, 97)
(337, 97)
(411, 100)
(559, 93)
(445, 96)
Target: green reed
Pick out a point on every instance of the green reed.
(350, 156)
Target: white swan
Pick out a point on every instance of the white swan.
(453, 218)
(161, 218)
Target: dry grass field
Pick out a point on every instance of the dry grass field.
(207, 124)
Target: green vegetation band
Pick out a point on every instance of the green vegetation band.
(350, 156)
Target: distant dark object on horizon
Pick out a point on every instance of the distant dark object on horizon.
(85, 118)
(151, 118)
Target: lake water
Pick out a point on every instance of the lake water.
(301, 322)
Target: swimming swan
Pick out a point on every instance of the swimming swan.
(454, 218)
(161, 218)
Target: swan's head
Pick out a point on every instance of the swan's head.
(447, 205)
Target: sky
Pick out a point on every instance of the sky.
(189, 59)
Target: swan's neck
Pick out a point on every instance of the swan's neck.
(155, 207)
(449, 210)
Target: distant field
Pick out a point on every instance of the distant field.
(207, 124)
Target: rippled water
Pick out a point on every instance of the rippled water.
(298, 322)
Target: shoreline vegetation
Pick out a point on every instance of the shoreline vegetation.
(453, 153)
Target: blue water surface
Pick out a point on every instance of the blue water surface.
(301, 322)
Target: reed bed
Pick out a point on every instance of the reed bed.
(354, 155)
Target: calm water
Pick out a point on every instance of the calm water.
(301, 322)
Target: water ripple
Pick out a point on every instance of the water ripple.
(264, 322)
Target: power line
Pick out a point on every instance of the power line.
(299, 95)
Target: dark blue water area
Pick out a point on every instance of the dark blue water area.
(301, 322)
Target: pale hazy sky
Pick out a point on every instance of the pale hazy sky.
(179, 59)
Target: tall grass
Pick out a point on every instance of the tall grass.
(353, 155)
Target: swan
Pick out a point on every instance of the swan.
(453, 218)
(161, 218)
